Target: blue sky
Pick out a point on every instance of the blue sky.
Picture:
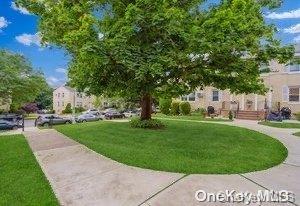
(18, 33)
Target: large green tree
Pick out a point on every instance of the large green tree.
(45, 99)
(146, 48)
(19, 82)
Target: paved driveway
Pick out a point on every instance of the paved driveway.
(80, 176)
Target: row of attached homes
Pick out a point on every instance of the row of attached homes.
(283, 83)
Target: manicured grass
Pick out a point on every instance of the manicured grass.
(183, 147)
(193, 116)
(281, 124)
(297, 134)
(22, 180)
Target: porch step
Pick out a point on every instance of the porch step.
(251, 115)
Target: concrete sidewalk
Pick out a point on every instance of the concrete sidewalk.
(80, 176)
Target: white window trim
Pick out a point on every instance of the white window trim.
(188, 97)
(219, 95)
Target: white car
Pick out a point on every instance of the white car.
(131, 113)
(93, 112)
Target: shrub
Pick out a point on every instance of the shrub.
(185, 108)
(68, 109)
(146, 124)
(230, 115)
(201, 111)
(165, 105)
(79, 109)
(175, 108)
(298, 116)
(50, 111)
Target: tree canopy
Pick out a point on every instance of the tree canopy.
(19, 82)
(145, 48)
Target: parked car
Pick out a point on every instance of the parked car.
(114, 115)
(130, 113)
(8, 125)
(93, 112)
(46, 120)
(18, 119)
(87, 118)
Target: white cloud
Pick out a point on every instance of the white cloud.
(284, 15)
(61, 70)
(3, 23)
(19, 9)
(29, 39)
(297, 39)
(55, 82)
(293, 29)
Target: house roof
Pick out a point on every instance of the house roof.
(66, 87)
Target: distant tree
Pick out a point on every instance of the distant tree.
(19, 82)
(45, 99)
(30, 108)
(152, 48)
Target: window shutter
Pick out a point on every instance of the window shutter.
(285, 93)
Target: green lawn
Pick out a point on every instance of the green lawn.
(184, 147)
(22, 180)
(297, 134)
(281, 124)
(193, 116)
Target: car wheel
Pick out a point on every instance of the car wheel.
(83, 121)
(68, 122)
(15, 127)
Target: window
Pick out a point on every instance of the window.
(63, 103)
(58, 95)
(63, 94)
(58, 104)
(215, 96)
(191, 97)
(294, 94)
(184, 98)
(295, 68)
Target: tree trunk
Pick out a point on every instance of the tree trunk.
(146, 105)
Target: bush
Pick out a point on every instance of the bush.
(230, 115)
(175, 108)
(185, 108)
(50, 112)
(79, 109)
(146, 124)
(68, 109)
(201, 111)
(298, 116)
(165, 105)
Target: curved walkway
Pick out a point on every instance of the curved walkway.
(80, 176)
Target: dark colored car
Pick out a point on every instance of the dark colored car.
(113, 115)
(46, 120)
(18, 119)
(8, 125)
